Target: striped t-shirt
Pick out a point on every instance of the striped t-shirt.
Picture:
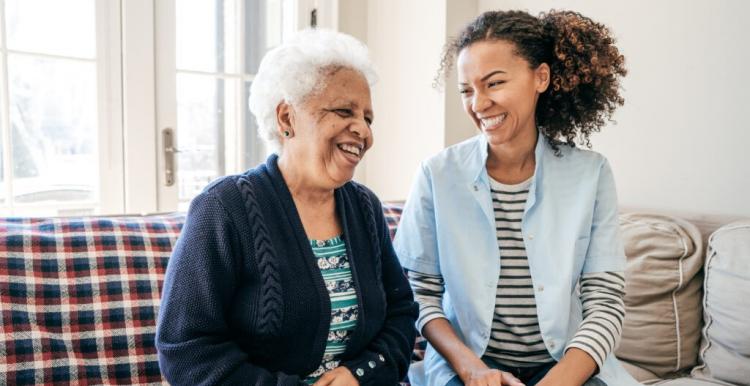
(337, 275)
(516, 339)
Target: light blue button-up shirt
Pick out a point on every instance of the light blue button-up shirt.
(570, 227)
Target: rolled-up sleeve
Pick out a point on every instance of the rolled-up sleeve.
(605, 250)
(416, 239)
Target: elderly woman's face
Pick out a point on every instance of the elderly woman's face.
(332, 127)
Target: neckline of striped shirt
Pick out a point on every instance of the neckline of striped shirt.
(497, 187)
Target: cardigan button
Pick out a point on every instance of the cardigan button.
(360, 372)
(381, 357)
(371, 364)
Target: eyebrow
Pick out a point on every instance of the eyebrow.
(488, 76)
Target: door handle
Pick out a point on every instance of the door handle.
(170, 150)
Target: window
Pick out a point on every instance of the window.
(89, 87)
(219, 45)
(56, 119)
(204, 85)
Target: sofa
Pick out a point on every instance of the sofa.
(80, 296)
(687, 300)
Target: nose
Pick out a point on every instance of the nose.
(480, 102)
(361, 129)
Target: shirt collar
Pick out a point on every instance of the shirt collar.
(480, 158)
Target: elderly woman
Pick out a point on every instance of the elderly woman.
(532, 292)
(285, 274)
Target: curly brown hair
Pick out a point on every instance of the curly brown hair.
(585, 65)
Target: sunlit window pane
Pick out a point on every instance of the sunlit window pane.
(263, 31)
(53, 109)
(2, 172)
(208, 38)
(225, 39)
(255, 151)
(200, 104)
(52, 26)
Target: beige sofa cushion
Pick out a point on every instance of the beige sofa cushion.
(642, 375)
(725, 351)
(663, 294)
(687, 381)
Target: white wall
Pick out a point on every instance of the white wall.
(405, 39)
(681, 141)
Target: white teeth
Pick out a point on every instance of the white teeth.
(350, 149)
(494, 121)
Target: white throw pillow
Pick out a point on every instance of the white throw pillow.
(725, 350)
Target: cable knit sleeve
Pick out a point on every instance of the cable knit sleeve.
(193, 339)
(387, 357)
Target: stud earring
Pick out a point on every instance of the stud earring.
(287, 133)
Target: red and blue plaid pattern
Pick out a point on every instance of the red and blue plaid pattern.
(392, 212)
(80, 297)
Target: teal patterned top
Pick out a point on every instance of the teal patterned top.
(337, 275)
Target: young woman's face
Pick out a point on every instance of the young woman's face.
(499, 89)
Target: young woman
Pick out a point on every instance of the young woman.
(511, 237)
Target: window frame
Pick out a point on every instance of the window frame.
(109, 197)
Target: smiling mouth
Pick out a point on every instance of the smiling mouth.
(493, 122)
(355, 150)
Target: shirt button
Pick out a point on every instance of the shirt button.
(476, 188)
(552, 345)
(371, 364)
(540, 288)
(531, 237)
(360, 372)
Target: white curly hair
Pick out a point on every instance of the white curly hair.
(295, 69)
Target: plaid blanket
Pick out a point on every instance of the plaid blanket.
(80, 296)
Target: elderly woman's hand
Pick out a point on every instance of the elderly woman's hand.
(340, 376)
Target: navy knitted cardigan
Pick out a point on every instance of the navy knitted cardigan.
(245, 303)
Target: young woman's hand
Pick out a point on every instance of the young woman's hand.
(340, 376)
(491, 377)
